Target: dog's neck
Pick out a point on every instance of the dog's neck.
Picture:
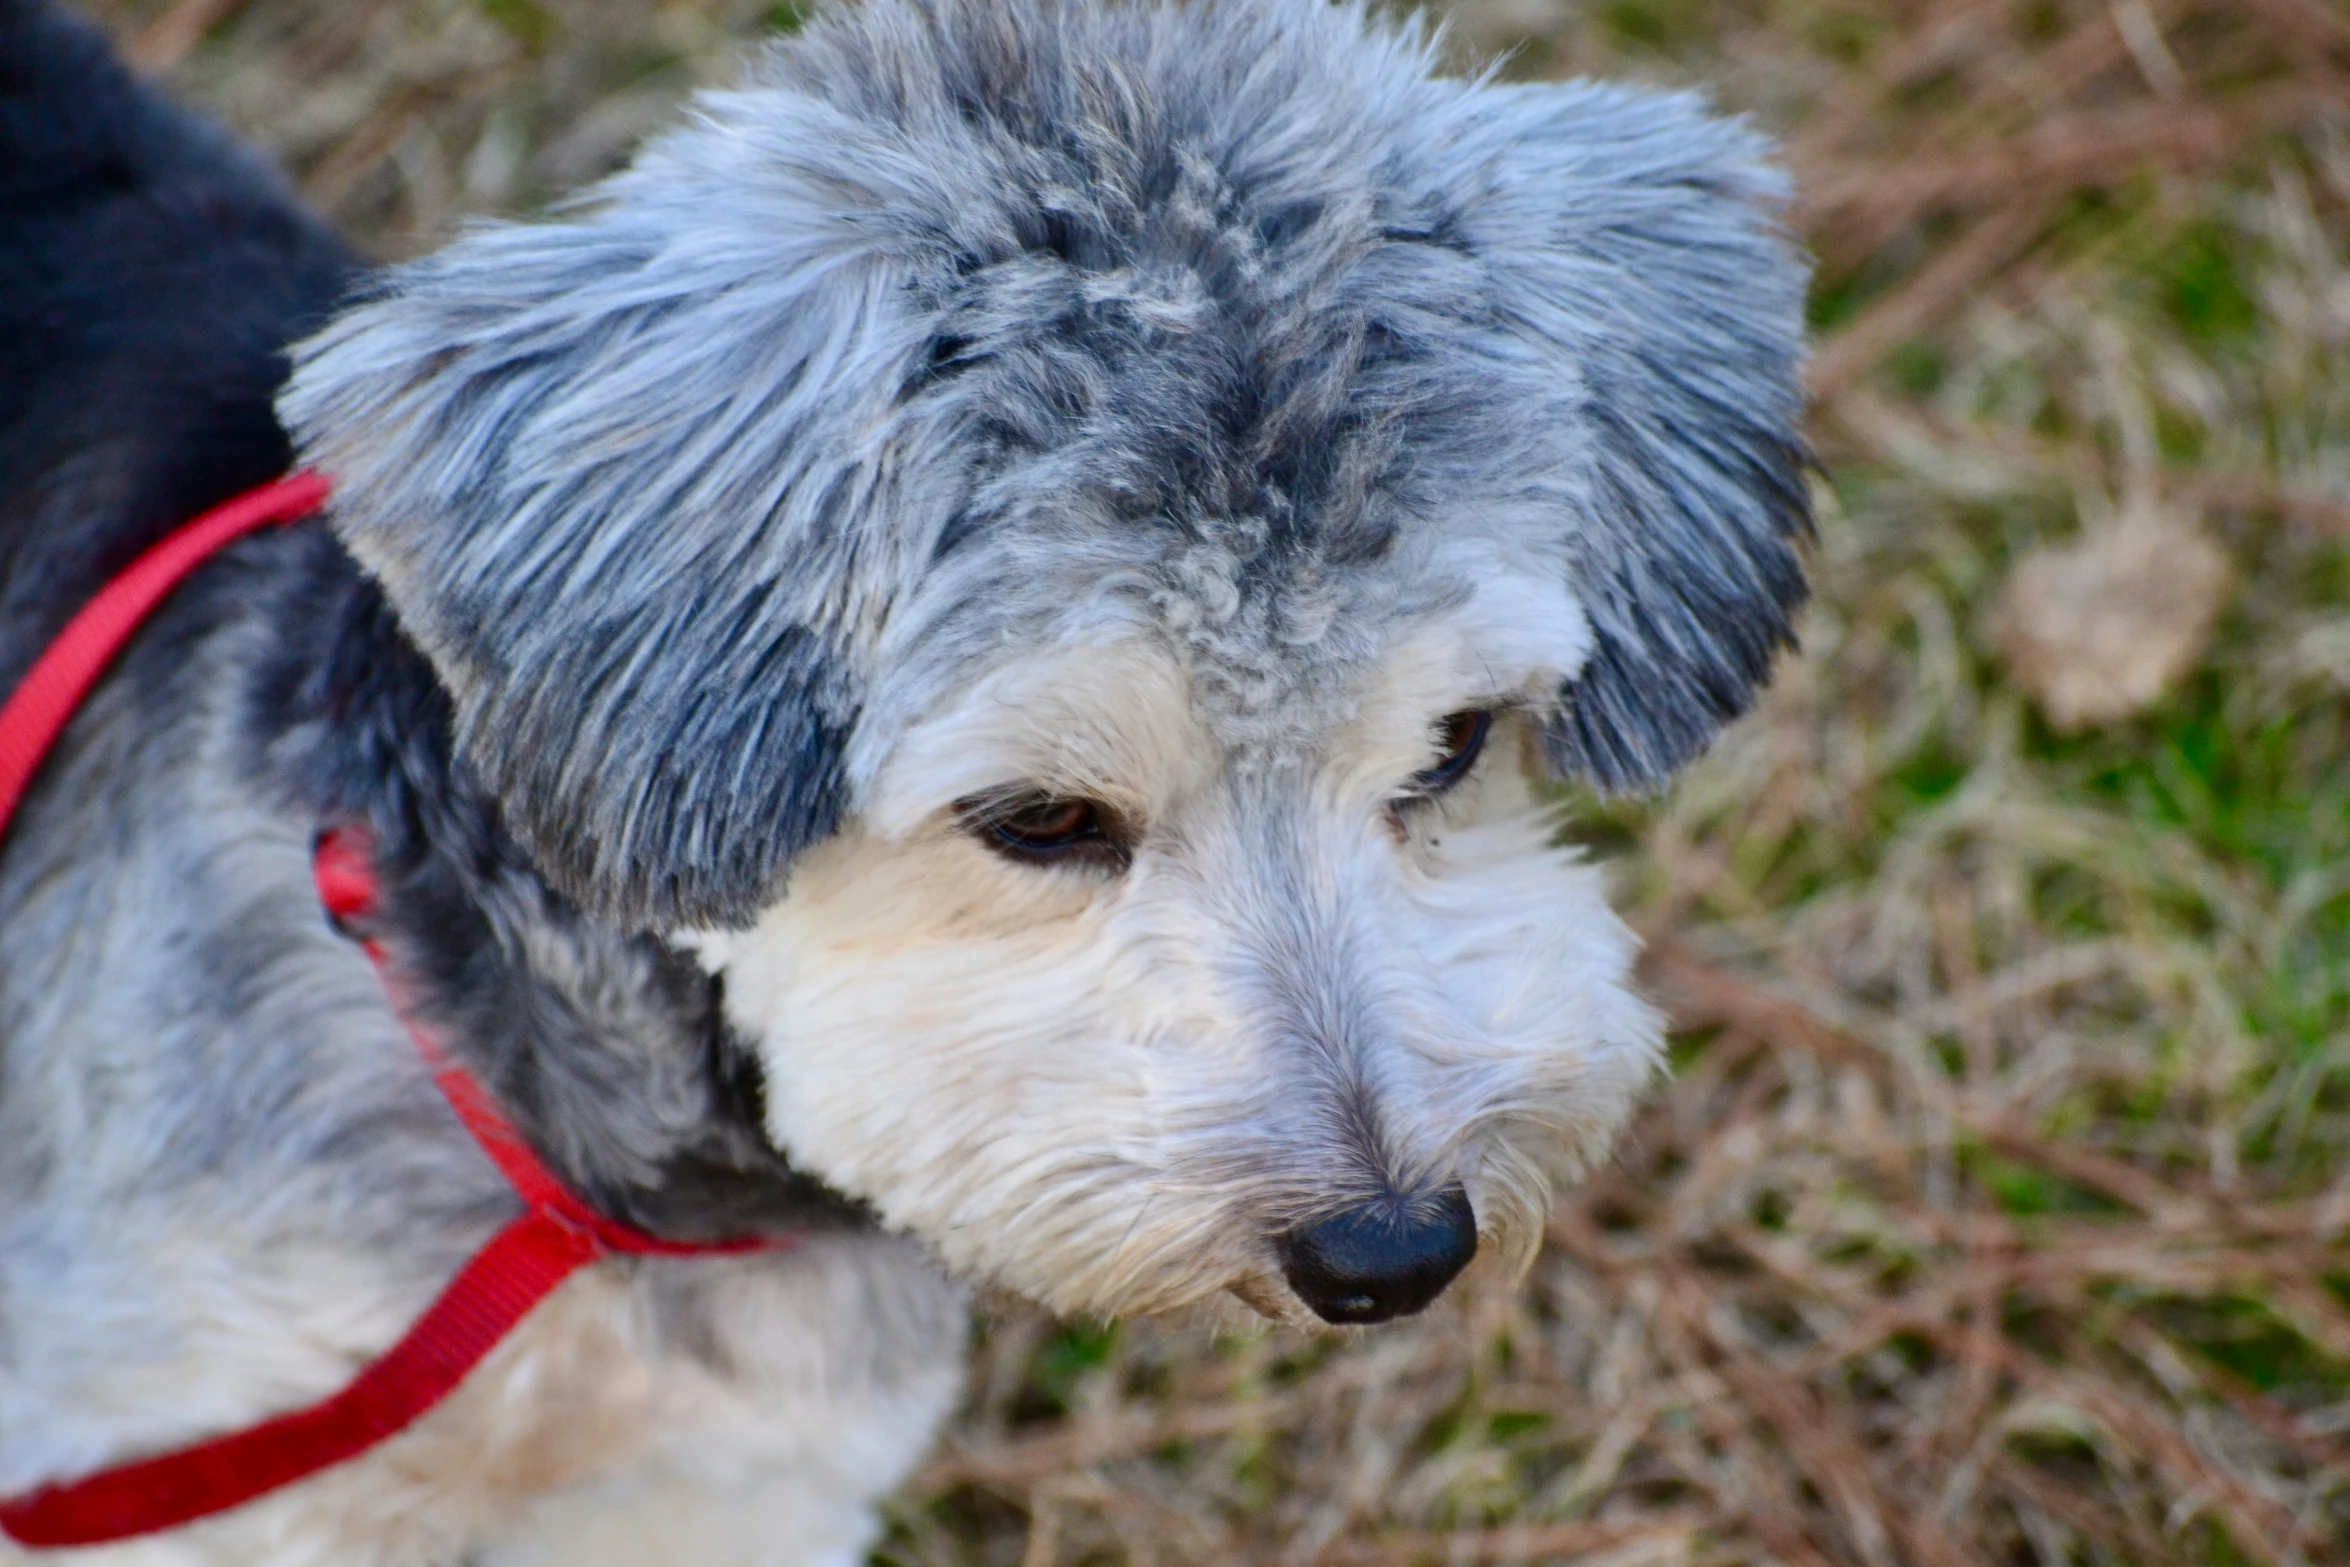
(608, 1049)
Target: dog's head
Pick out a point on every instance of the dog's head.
(1054, 546)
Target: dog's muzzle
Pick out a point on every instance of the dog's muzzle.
(1387, 1258)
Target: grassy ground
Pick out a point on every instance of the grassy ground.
(1996, 1211)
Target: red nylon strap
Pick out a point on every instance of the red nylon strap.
(344, 870)
(505, 1279)
(39, 709)
(522, 1264)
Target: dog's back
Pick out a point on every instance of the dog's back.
(151, 274)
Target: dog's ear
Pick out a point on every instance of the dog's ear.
(1632, 240)
(616, 474)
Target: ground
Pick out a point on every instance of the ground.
(1996, 1210)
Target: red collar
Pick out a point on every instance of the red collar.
(523, 1263)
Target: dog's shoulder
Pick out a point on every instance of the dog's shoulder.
(151, 273)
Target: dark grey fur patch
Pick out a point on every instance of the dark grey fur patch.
(1681, 306)
(610, 1051)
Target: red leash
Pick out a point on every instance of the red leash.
(522, 1264)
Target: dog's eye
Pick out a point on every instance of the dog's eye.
(1046, 827)
(1463, 737)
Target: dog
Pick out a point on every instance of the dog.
(963, 664)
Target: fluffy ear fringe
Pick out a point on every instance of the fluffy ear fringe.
(1633, 236)
(612, 473)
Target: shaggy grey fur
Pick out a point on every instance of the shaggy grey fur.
(959, 305)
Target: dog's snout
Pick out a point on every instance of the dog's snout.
(1385, 1259)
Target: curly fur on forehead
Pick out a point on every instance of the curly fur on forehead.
(962, 320)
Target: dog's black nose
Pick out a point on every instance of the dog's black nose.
(1385, 1259)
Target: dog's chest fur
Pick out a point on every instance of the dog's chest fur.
(592, 1436)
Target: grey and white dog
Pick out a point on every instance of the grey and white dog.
(962, 660)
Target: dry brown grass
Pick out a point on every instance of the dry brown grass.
(1996, 1210)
